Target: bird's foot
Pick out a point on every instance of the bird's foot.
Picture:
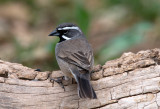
(59, 81)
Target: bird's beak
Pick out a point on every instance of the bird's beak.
(54, 33)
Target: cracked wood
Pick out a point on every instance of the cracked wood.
(131, 81)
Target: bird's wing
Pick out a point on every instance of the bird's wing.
(80, 54)
(80, 59)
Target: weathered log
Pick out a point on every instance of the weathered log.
(130, 82)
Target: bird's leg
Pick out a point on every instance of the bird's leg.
(59, 81)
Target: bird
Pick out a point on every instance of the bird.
(75, 58)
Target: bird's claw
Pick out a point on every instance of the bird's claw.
(59, 81)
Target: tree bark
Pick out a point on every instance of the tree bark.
(129, 82)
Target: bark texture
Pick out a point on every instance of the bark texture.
(129, 82)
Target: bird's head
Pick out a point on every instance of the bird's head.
(66, 31)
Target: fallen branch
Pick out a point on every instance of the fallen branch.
(132, 81)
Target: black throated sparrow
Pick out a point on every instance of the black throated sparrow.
(75, 57)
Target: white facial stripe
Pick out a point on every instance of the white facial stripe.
(67, 28)
(67, 38)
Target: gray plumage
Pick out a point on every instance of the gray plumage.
(75, 57)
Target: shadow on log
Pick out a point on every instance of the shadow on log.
(130, 82)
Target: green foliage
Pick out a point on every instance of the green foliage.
(76, 13)
(51, 48)
(23, 53)
(60, 11)
(147, 9)
(82, 17)
(30, 3)
(124, 41)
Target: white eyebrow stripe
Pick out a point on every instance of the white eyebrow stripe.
(65, 37)
(67, 28)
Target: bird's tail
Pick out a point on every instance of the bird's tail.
(85, 90)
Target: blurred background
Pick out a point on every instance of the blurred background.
(111, 26)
